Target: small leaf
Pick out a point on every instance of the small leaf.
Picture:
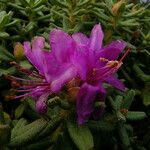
(100, 126)
(51, 125)
(81, 136)
(39, 145)
(146, 94)
(28, 133)
(9, 71)
(131, 115)
(118, 101)
(124, 136)
(4, 35)
(25, 64)
(19, 110)
(4, 134)
(128, 99)
(20, 123)
(5, 55)
(30, 26)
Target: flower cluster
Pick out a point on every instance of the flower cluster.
(72, 57)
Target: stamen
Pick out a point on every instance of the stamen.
(26, 71)
(19, 91)
(25, 80)
(38, 84)
(21, 96)
(10, 97)
(125, 55)
(111, 71)
(103, 59)
(15, 83)
(112, 64)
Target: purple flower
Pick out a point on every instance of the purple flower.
(71, 57)
(53, 67)
(96, 64)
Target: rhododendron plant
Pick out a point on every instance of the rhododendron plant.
(71, 57)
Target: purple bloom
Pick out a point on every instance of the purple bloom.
(71, 57)
(54, 67)
(95, 64)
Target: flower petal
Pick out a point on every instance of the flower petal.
(62, 45)
(80, 38)
(35, 54)
(41, 106)
(66, 74)
(85, 101)
(112, 50)
(96, 38)
(115, 82)
(84, 60)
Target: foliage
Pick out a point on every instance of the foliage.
(22, 128)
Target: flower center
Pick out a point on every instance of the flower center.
(110, 67)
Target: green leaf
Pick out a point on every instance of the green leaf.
(135, 115)
(100, 126)
(38, 3)
(124, 136)
(39, 145)
(19, 110)
(4, 18)
(81, 136)
(4, 134)
(118, 102)
(128, 99)
(9, 71)
(146, 94)
(51, 125)
(30, 26)
(64, 140)
(28, 133)
(4, 35)
(5, 55)
(21, 123)
(112, 103)
(2, 119)
(139, 73)
(25, 64)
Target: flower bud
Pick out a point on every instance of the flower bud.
(72, 94)
(18, 51)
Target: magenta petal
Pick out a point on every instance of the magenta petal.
(66, 75)
(38, 42)
(51, 66)
(35, 54)
(115, 82)
(96, 38)
(80, 38)
(62, 45)
(79, 60)
(28, 51)
(41, 106)
(113, 50)
(85, 101)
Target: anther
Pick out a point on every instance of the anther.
(94, 71)
(103, 59)
(125, 55)
(112, 64)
